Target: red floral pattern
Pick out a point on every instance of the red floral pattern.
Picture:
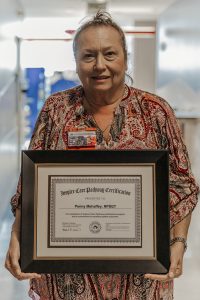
(141, 121)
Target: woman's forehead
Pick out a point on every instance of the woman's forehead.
(92, 35)
(100, 32)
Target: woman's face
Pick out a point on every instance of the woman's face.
(100, 60)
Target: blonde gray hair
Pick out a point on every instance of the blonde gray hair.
(100, 19)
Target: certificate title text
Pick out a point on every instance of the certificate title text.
(95, 190)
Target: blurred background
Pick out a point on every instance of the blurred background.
(36, 60)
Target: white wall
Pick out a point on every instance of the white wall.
(144, 60)
(178, 73)
(178, 60)
(8, 109)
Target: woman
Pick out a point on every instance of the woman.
(125, 118)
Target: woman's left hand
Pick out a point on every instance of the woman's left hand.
(176, 267)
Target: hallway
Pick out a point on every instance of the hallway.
(163, 44)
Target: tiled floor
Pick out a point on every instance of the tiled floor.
(10, 288)
(187, 287)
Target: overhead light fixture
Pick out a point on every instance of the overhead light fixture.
(135, 10)
(97, 1)
(94, 5)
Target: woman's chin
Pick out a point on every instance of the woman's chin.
(101, 88)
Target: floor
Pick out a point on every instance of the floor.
(10, 288)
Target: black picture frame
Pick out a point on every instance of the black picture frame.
(158, 263)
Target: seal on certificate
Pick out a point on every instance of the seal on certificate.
(95, 227)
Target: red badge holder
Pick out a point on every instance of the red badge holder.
(82, 138)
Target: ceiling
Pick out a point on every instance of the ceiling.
(76, 8)
(49, 18)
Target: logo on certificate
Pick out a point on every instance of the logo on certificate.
(95, 227)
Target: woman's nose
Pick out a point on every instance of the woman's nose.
(100, 62)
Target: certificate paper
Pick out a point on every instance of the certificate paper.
(100, 208)
(95, 211)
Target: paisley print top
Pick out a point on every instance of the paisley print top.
(141, 121)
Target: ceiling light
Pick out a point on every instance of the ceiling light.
(94, 5)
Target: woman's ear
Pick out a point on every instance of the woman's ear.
(76, 67)
(76, 64)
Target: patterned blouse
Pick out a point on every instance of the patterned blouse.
(141, 121)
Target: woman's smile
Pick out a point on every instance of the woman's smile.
(100, 78)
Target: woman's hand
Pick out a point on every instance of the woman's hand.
(12, 259)
(176, 267)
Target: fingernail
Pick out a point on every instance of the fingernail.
(171, 275)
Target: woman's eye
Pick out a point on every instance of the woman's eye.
(110, 54)
(88, 56)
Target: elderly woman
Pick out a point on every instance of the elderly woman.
(124, 118)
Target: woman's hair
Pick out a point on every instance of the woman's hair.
(100, 19)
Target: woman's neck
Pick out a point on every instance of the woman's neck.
(102, 102)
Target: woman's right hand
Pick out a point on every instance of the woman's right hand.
(12, 259)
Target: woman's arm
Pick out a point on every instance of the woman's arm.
(183, 190)
(38, 142)
(177, 251)
(13, 254)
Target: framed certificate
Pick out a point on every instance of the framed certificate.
(95, 211)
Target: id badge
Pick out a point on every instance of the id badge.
(82, 138)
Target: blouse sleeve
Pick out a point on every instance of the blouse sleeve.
(39, 141)
(183, 188)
